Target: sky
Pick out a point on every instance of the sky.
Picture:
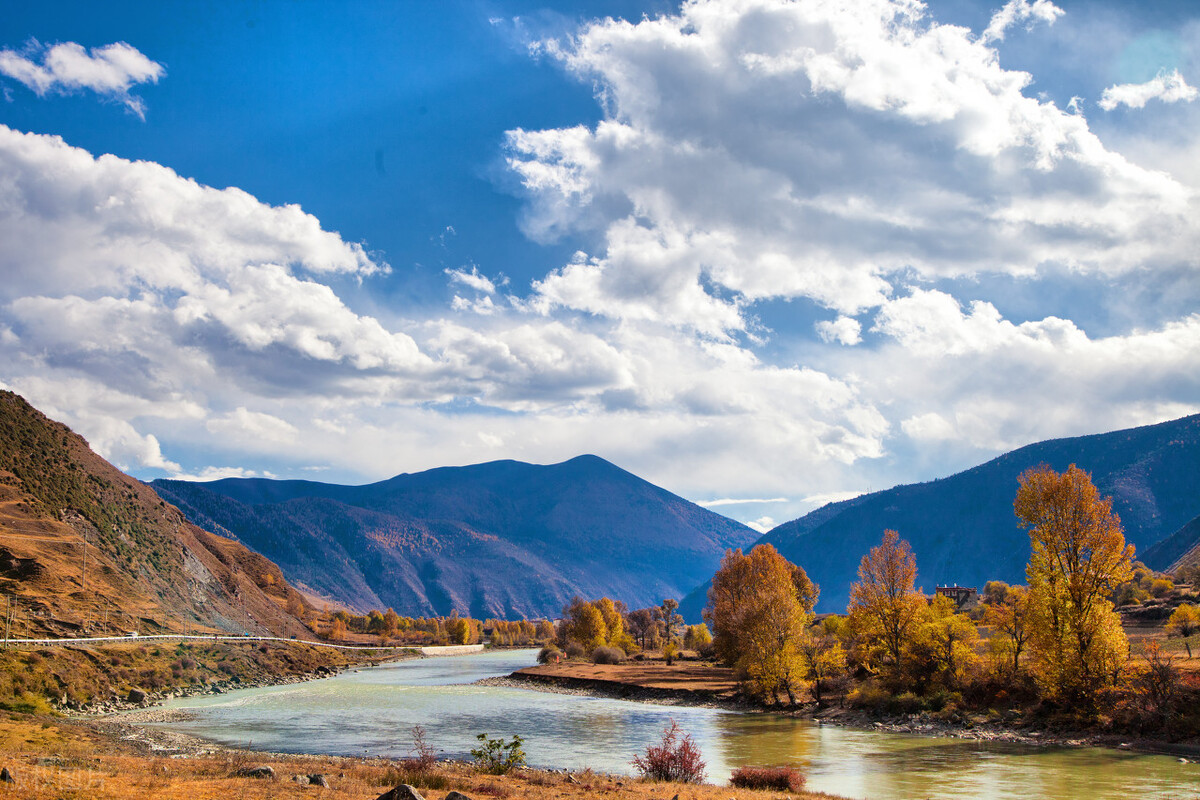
(765, 254)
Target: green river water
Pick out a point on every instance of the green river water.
(371, 711)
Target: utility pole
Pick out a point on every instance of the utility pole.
(84, 542)
(7, 617)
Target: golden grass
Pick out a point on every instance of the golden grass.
(61, 759)
(54, 759)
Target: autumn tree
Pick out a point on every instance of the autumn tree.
(884, 603)
(642, 625)
(584, 623)
(1008, 616)
(824, 659)
(759, 607)
(697, 637)
(338, 631)
(1078, 558)
(944, 642)
(671, 621)
(1184, 622)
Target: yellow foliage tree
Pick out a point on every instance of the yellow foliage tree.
(884, 605)
(945, 640)
(1185, 623)
(1078, 558)
(759, 607)
(1009, 620)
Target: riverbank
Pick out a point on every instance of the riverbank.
(100, 679)
(112, 759)
(701, 686)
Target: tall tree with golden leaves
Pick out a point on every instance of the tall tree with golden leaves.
(1078, 558)
(884, 605)
(759, 607)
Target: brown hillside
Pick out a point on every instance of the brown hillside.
(65, 510)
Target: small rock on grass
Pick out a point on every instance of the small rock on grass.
(401, 792)
(6, 776)
(301, 779)
(457, 795)
(318, 780)
(265, 772)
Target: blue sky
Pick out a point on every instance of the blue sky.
(751, 250)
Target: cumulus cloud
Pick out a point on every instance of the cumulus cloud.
(965, 374)
(1168, 87)
(109, 71)
(851, 156)
(762, 524)
(253, 424)
(766, 149)
(473, 280)
(844, 330)
(1016, 12)
(149, 311)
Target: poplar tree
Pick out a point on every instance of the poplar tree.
(885, 607)
(1079, 557)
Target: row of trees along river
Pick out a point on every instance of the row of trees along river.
(1053, 650)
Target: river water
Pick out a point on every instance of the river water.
(370, 712)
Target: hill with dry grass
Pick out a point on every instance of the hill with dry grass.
(88, 550)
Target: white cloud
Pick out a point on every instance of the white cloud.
(473, 279)
(67, 67)
(762, 524)
(751, 150)
(928, 427)
(254, 425)
(220, 473)
(970, 377)
(844, 330)
(757, 149)
(1016, 12)
(733, 501)
(1168, 87)
(825, 498)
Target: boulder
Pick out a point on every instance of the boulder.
(136, 696)
(263, 772)
(457, 795)
(6, 776)
(401, 792)
(318, 780)
(300, 779)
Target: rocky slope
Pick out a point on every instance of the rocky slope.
(88, 550)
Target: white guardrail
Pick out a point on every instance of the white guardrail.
(441, 650)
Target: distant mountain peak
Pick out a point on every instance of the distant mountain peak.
(501, 538)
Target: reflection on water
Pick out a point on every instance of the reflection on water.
(372, 711)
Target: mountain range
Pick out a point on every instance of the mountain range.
(502, 539)
(963, 530)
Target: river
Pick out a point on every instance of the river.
(370, 712)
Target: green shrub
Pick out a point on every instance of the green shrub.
(496, 757)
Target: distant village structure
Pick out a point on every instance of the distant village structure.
(961, 595)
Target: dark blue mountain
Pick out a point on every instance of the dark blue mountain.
(963, 530)
(503, 539)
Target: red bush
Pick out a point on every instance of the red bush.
(675, 758)
(784, 779)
